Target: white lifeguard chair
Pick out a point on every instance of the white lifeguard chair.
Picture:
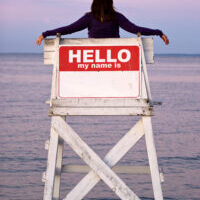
(99, 77)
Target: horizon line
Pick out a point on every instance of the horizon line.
(198, 54)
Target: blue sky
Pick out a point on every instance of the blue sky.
(22, 21)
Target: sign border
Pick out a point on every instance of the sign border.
(93, 45)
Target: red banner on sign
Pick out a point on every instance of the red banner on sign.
(99, 58)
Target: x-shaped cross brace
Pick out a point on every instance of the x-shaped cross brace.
(101, 169)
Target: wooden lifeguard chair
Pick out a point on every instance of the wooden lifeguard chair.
(118, 69)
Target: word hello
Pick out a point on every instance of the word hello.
(95, 56)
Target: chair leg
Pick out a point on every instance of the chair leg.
(153, 163)
(51, 165)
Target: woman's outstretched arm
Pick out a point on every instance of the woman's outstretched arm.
(125, 24)
(79, 25)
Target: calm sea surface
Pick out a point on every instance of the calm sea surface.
(24, 126)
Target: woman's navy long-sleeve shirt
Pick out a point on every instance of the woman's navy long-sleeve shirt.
(108, 29)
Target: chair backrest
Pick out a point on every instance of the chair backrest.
(99, 68)
(49, 46)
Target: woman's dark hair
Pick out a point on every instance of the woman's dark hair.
(103, 10)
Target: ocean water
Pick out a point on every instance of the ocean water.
(24, 126)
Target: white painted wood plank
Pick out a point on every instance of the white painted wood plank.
(48, 62)
(100, 102)
(51, 165)
(103, 102)
(144, 67)
(49, 58)
(89, 111)
(56, 191)
(53, 146)
(49, 45)
(92, 159)
(116, 169)
(55, 71)
(151, 151)
(99, 41)
(148, 49)
(112, 158)
(49, 55)
(148, 44)
(143, 87)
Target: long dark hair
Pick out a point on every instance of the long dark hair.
(103, 10)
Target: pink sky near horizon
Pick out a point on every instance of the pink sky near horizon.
(174, 17)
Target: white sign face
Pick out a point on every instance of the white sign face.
(99, 72)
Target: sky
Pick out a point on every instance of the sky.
(22, 21)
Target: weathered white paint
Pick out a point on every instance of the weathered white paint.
(101, 106)
(145, 74)
(51, 165)
(56, 191)
(143, 87)
(148, 50)
(111, 159)
(49, 46)
(100, 102)
(53, 161)
(104, 102)
(92, 159)
(43, 177)
(153, 163)
(49, 57)
(55, 71)
(46, 147)
(162, 178)
(132, 111)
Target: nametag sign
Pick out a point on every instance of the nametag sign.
(99, 71)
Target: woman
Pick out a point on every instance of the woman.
(103, 22)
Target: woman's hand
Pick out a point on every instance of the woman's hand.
(39, 40)
(165, 39)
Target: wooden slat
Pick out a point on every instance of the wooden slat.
(49, 45)
(75, 102)
(99, 41)
(148, 50)
(100, 102)
(49, 57)
(56, 191)
(48, 62)
(92, 159)
(51, 165)
(153, 163)
(49, 51)
(89, 111)
(145, 73)
(147, 43)
(116, 169)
